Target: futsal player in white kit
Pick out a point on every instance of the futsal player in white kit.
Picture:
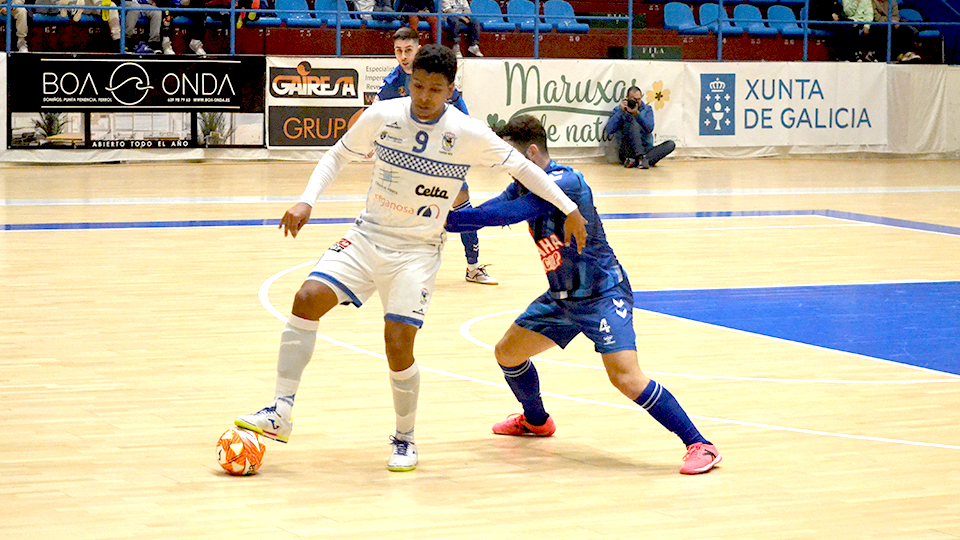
(423, 149)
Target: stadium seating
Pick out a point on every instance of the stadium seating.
(564, 20)
(912, 15)
(296, 13)
(488, 14)
(524, 14)
(678, 16)
(749, 18)
(711, 18)
(782, 19)
(326, 12)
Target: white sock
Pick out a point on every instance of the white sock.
(406, 391)
(297, 341)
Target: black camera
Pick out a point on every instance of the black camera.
(632, 103)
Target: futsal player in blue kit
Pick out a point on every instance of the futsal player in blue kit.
(423, 149)
(589, 293)
(406, 43)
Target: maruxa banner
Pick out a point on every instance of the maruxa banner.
(695, 104)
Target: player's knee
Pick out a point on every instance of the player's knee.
(505, 354)
(629, 384)
(310, 301)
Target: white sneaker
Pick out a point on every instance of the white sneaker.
(22, 45)
(404, 456)
(481, 276)
(456, 51)
(474, 50)
(197, 47)
(166, 46)
(77, 14)
(267, 422)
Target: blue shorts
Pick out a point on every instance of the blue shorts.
(607, 319)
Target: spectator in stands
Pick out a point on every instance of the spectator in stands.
(112, 17)
(857, 37)
(632, 121)
(412, 7)
(196, 30)
(463, 23)
(903, 40)
(20, 19)
(382, 10)
(825, 10)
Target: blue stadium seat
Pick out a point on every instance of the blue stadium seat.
(264, 17)
(565, 20)
(374, 24)
(782, 19)
(524, 13)
(296, 13)
(678, 16)
(331, 8)
(912, 15)
(488, 14)
(709, 17)
(749, 18)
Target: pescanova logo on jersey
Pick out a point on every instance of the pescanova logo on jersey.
(304, 81)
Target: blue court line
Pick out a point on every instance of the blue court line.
(162, 224)
(847, 216)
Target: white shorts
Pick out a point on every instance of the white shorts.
(355, 267)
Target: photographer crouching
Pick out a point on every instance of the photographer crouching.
(632, 122)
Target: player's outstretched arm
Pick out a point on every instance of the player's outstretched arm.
(295, 218)
(503, 210)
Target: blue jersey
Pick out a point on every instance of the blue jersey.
(397, 84)
(570, 274)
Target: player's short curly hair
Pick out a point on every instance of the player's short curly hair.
(524, 130)
(436, 59)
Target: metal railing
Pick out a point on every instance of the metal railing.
(540, 21)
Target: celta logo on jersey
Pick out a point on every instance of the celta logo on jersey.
(306, 82)
(550, 255)
(432, 191)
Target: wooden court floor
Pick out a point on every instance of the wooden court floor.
(127, 349)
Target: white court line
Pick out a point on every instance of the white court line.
(487, 195)
(263, 294)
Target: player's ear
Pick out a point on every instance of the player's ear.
(532, 152)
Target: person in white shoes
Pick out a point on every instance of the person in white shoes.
(20, 19)
(195, 30)
(463, 23)
(406, 44)
(423, 148)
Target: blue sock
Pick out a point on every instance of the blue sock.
(525, 383)
(471, 241)
(664, 408)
